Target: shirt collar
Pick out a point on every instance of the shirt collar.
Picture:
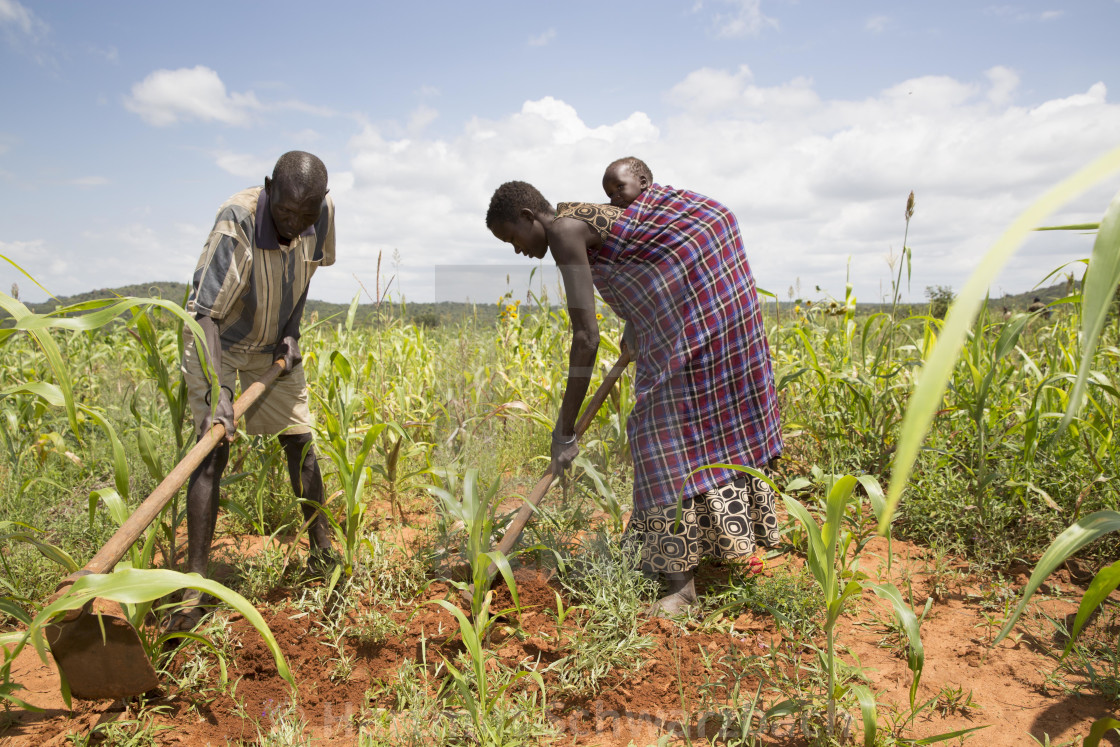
(265, 230)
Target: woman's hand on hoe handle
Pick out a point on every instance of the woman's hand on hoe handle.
(564, 450)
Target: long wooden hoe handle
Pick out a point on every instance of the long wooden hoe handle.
(113, 550)
(517, 526)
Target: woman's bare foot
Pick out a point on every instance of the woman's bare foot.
(679, 599)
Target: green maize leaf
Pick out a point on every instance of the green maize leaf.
(341, 364)
(834, 514)
(49, 393)
(46, 549)
(798, 483)
(112, 500)
(120, 460)
(1071, 227)
(135, 586)
(1099, 728)
(499, 559)
(874, 493)
(916, 654)
(785, 708)
(851, 589)
(352, 312)
(470, 639)
(1064, 545)
(926, 398)
(789, 378)
(27, 275)
(46, 343)
(1101, 280)
(111, 309)
(13, 610)
(464, 690)
(1009, 336)
(1103, 584)
(869, 713)
(825, 576)
(149, 454)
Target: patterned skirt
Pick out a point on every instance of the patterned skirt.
(727, 522)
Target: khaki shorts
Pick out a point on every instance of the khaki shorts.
(281, 409)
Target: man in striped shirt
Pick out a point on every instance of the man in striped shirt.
(248, 294)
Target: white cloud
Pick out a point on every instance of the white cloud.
(877, 24)
(1020, 15)
(542, 39)
(421, 117)
(813, 181)
(245, 165)
(169, 96)
(25, 32)
(142, 254)
(738, 18)
(14, 16)
(1004, 82)
(109, 53)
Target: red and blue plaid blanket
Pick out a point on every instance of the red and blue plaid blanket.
(675, 267)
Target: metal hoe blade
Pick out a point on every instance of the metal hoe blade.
(101, 657)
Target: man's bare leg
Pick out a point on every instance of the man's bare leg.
(202, 518)
(307, 483)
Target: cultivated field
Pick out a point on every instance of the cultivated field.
(431, 435)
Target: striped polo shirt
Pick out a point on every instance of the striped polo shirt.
(247, 281)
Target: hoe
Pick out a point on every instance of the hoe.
(100, 654)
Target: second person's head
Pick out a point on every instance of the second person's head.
(625, 179)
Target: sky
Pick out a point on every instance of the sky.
(127, 124)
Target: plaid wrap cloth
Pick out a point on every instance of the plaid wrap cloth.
(675, 267)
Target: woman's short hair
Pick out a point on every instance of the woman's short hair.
(510, 198)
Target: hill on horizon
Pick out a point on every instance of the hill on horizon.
(433, 314)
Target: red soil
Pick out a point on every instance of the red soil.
(1008, 683)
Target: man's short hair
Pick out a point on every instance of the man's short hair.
(301, 167)
(635, 165)
(510, 198)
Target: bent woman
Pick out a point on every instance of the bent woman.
(672, 266)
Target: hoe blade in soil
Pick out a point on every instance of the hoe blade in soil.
(101, 657)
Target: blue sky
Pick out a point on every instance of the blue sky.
(128, 123)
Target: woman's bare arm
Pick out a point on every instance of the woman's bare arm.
(569, 240)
